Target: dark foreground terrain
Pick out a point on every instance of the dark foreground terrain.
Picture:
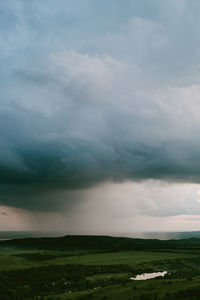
(98, 267)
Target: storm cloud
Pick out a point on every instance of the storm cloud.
(91, 95)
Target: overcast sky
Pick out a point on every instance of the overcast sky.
(100, 115)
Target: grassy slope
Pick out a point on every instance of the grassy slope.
(14, 259)
(98, 268)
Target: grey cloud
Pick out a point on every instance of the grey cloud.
(69, 120)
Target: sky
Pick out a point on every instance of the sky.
(99, 115)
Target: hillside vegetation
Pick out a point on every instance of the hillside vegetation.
(98, 267)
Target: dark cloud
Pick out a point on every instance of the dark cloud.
(34, 170)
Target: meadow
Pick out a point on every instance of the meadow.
(78, 267)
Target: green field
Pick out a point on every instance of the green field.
(77, 267)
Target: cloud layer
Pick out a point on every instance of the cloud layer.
(92, 93)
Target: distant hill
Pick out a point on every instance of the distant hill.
(104, 243)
